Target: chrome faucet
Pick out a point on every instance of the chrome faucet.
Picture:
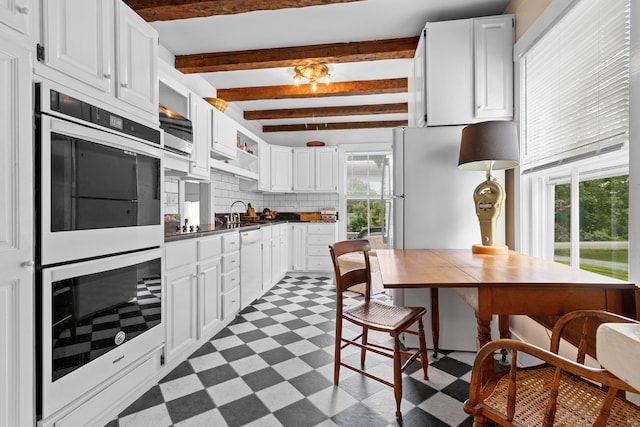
(235, 216)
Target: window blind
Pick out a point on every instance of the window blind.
(575, 87)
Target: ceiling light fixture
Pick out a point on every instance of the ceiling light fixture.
(311, 72)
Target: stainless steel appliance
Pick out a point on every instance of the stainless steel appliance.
(98, 316)
(99, 187)
(433, 208)
(98, 257)
(178, 131)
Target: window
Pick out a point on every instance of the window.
(602, 230)
(368, 191)
(575, 132)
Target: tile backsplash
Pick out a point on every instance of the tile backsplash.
(226, 190)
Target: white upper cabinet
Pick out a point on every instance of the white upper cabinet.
(264, 157)
(15, 14)
(137, 53)
(326, 169)
(303, 169)
(103, 44)
(463, 72)
(315, 169)
(281, 168)
(78, 40)
(494, 38)
(225, 136)
(201, 116)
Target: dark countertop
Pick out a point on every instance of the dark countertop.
(209, 230)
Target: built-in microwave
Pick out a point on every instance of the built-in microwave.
(99, 190)
(178, 131)
(96, 317)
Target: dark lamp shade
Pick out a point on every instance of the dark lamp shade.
(484, 142)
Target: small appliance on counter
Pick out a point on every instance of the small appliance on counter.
(328, 215)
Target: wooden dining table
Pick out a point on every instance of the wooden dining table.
(503, 285)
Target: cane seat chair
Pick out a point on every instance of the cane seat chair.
(558, 392)
(370, 315)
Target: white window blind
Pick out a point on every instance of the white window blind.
(576, 86)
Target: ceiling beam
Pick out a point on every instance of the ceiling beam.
(335, 126)
(363, 87)
(167, 10)
(351, 110)
(333, 53)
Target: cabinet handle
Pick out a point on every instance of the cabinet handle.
(195, 276)
(124, 85)
(106, 76)
(27, 264)
(22, 10)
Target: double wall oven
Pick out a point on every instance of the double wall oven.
(99, 231)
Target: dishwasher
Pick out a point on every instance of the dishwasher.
(250, 266)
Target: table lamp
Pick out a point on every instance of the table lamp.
(489, 146)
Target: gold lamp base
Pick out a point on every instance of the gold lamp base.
(490, 250)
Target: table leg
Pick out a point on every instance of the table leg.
(435, 322)
(503, 326)
(484, 336)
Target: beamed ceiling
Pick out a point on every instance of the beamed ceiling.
(247, 50)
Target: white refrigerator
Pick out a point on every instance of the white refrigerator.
(433, 208)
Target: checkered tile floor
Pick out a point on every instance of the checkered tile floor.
(273, 366)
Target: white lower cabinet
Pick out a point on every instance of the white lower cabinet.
(319, 237)
(230, 275)
(267, 258)
(209, 283)
(285, 245)
(181, 282)
(193, 280)
(310, 246)
(276, 254)
(299, 247)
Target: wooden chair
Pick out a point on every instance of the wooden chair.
(374, 316)
(557, 392)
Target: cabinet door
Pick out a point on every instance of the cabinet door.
(449, 73)
(267, 254)
(201, 117)
(285, 249)
(209, 278)
(303, 169)
(276, 259)
(299, 247)
(181, 299)
(281, 168)
(137, 53)
(494, 37)
(225, 136)
(15, 14)
(16, 238)
(264, 158)
(416, 85)
(326, 169)
(79, 39)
